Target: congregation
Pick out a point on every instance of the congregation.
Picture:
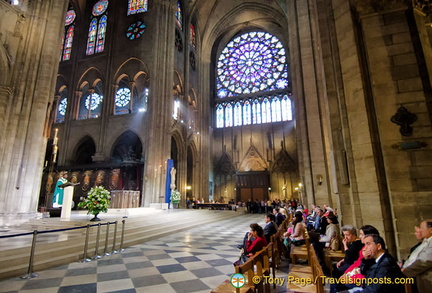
(366, 265)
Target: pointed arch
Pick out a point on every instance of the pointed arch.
(253, 161)
(83, 151)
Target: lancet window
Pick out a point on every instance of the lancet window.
(137, 6)
(97, 28)
(67, 39)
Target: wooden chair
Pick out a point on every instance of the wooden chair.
(300, 252)
(261, 262)
(331, 256)
(247, 269)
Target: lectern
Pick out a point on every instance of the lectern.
(67, 200)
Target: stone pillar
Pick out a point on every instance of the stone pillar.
(309, 112)
(36, 62)
(160, 104)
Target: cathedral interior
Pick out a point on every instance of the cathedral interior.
(324, 101)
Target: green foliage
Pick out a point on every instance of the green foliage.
(175, 196)
(97, 200)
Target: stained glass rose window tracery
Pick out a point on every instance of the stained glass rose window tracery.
(93, 101)
(123, 97)
(135, 30)
(100, 7)
(62, 106)
(251, 63)
(252, 81)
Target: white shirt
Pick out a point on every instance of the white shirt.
(414, 255)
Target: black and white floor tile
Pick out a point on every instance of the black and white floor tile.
(196, 260)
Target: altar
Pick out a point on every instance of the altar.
(121, 199)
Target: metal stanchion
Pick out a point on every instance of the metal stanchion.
(97, 256)
(114, 238)
(122, 236)
(106, 253)
(85, 259)
(30, 273)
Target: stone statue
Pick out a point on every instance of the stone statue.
(173, 178)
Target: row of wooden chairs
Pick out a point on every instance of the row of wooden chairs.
(256, 270)
(262, 264)
(306, 278)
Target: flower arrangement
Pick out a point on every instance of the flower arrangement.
(175, 196)
(97, 201)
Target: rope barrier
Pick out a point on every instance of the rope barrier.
(30, 274)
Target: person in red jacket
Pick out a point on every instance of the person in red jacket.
(259, 242)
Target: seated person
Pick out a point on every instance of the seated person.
(351, 246)
(419, 263)
(256, 240)
(279, 216)
(332, 231)
(353, 272)
(270, 227)
(383, 268)
(298, 230)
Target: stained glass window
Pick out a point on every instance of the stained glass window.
(276, 109)
(192, 35)
(97, 28)
(228, 115)
(266, 113)
(70, 17)
(101, 34)
(247, 113)
(251, 63)
(67, 39)
(91, 102)
(176, 111)
(92, 37)
(100, 7)
(252, 72)
(123, 97)
(62, 106)
(237, 114)
(256, 112)
(135, 30)
(137, 6)
(68, 43)
(219, 116)
(286, 108)
(179, 16)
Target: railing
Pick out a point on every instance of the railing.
(106, 252)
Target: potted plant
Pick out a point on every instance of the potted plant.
(175, 198)
(97, 201)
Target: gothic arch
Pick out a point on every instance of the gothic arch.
(83, 151)
(133, 67)
(178, 85)
(127, 148)
(92, 76)
(257, 15)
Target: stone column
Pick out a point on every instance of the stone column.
(33, 81)
(160, 104)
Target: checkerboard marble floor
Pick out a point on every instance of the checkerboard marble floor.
(196, 260)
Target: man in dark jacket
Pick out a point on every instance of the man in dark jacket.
(279, 217)
(380, 277)
(270, 227)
